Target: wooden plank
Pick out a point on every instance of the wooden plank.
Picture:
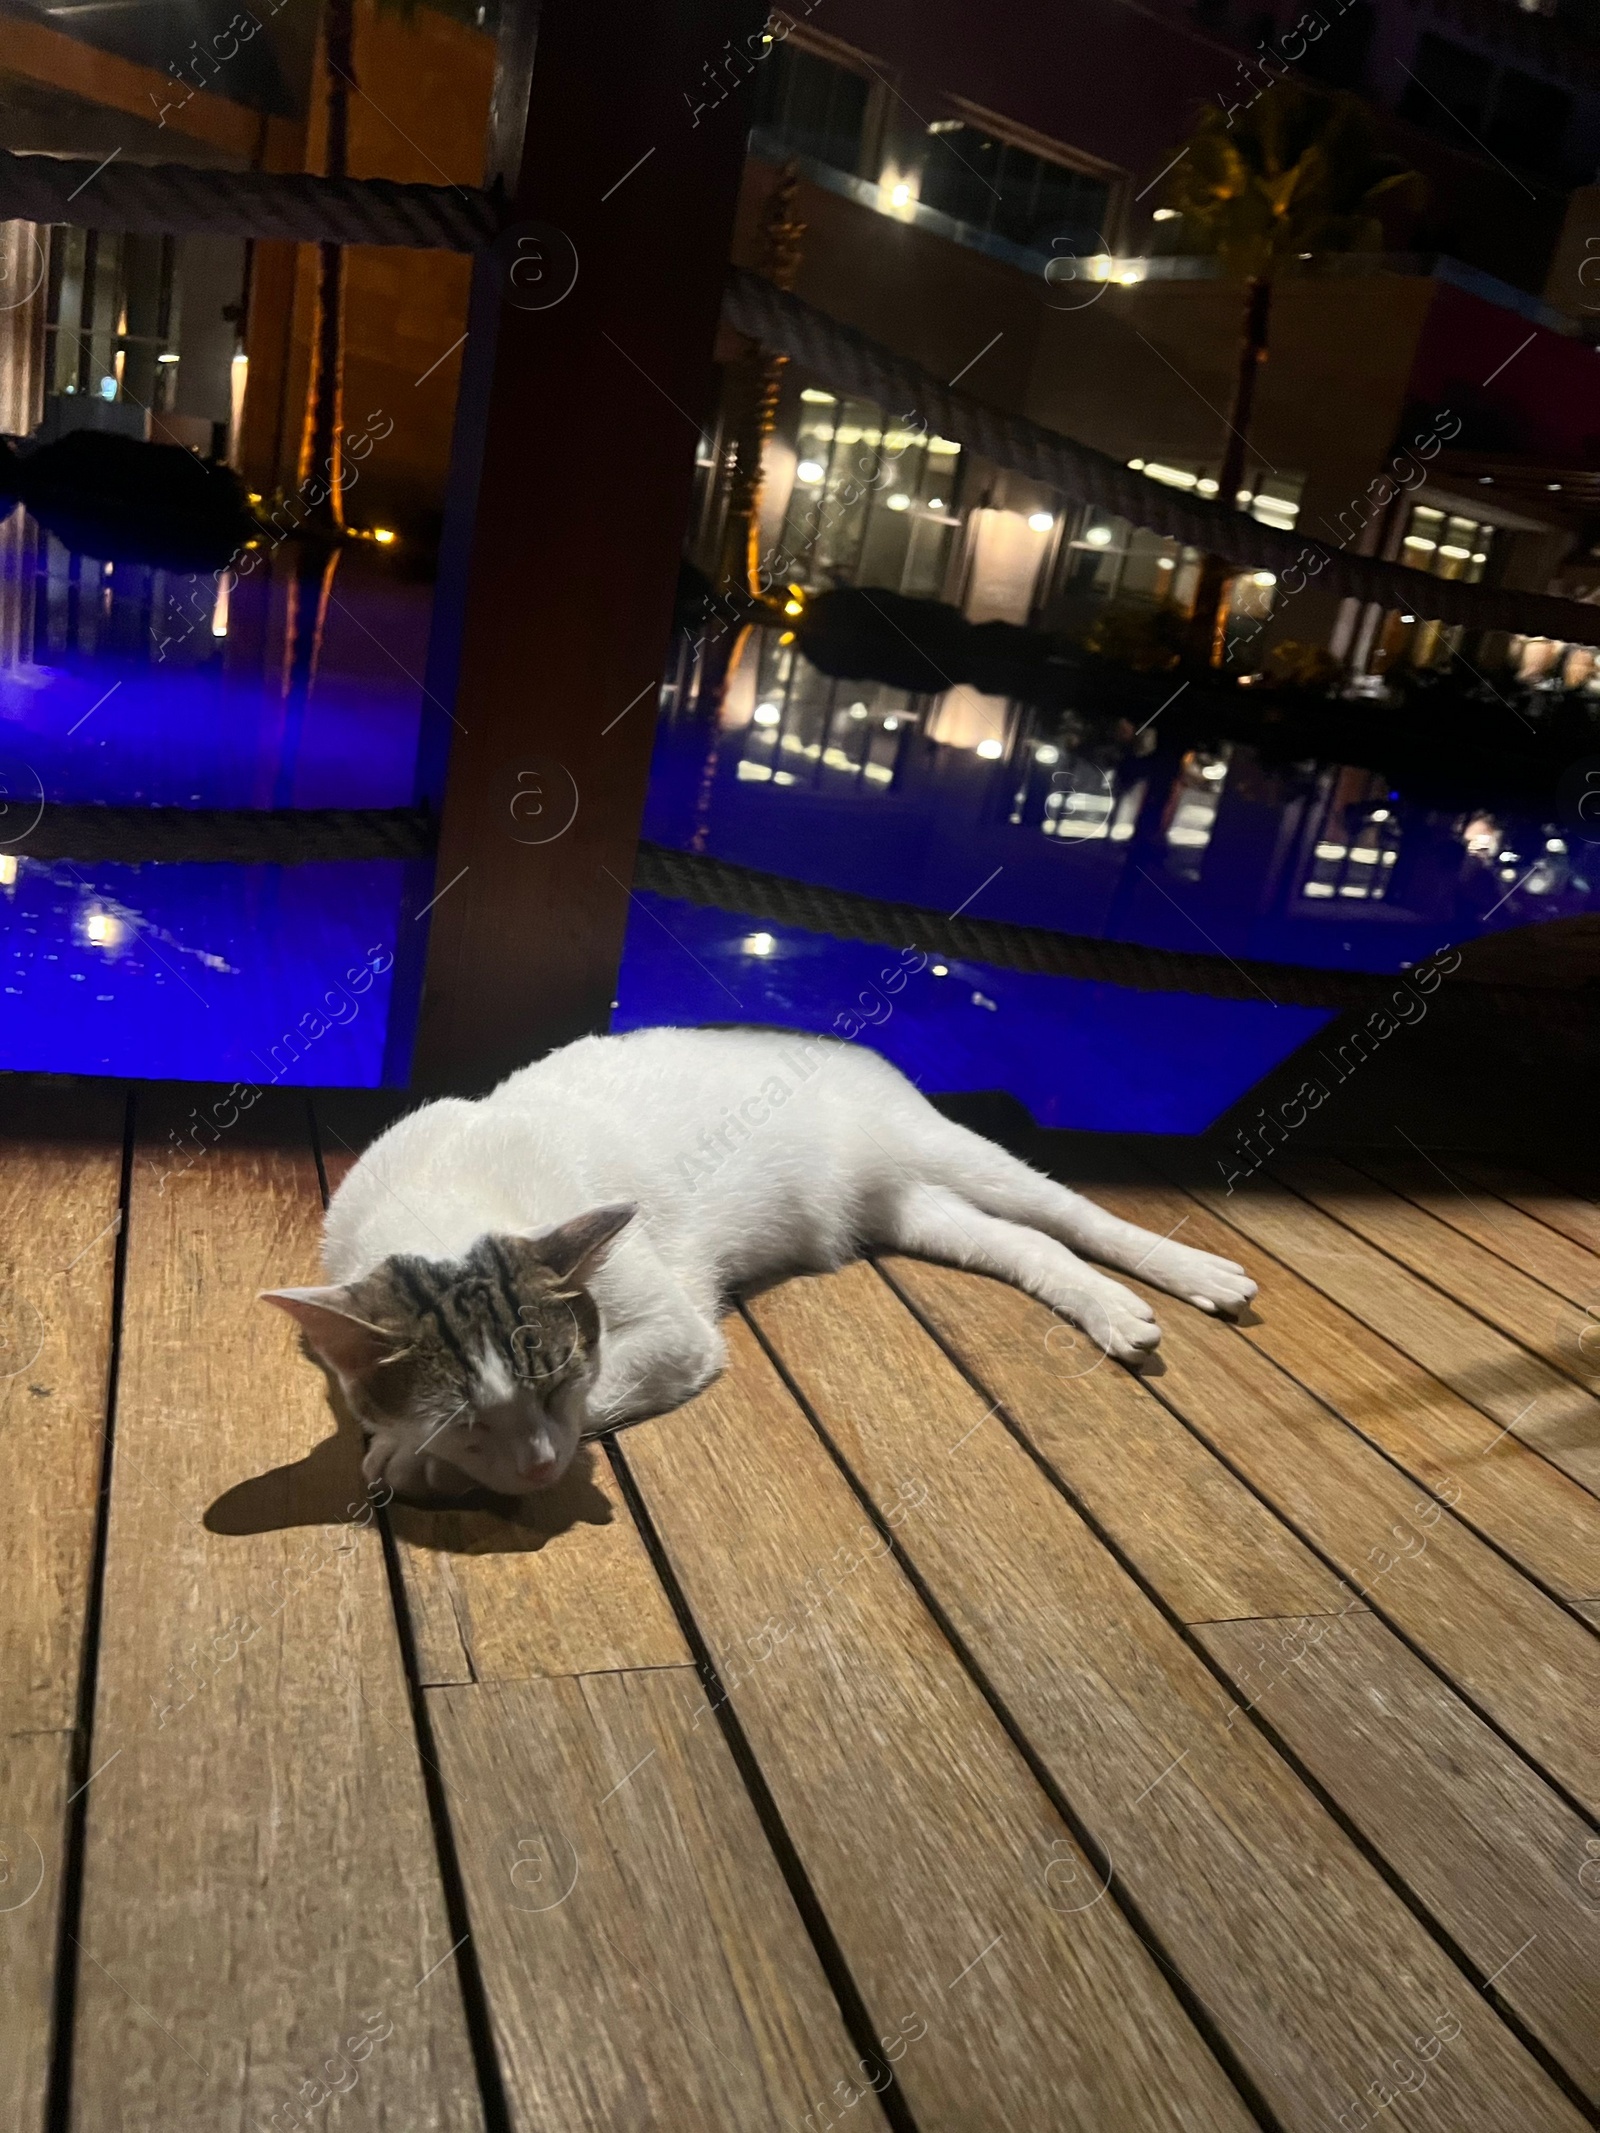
(1300, 1951)
(1522, 1658)
(1506, 1492)
(1590, 1611)
(645, 1964)
(945, 1874)
(559, 1584)
(1491, 1852)
(1210, 1548)
(1526, 1310)
(60, 1180)
(1515, 1389)
(259, 1875)
(1434, 1185)
(1558, 1207)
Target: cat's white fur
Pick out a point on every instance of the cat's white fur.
(748, 1154)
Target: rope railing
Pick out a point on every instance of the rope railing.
(288, 836)
(698, 878)
(172, 836)
(161, 199)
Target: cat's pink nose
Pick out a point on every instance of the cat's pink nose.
(534, 1461)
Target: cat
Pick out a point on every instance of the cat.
(507, 1274)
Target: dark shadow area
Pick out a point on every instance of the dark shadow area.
(479, 1523)
(326, 1488)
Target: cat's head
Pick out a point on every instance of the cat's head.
(470, 1372)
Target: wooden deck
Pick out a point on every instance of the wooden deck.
(932, 1708)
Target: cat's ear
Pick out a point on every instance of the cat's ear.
(343, 1341)
(574, 1250)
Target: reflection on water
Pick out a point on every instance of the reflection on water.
(968, 802)
(200, 973)
(1100, 1057)
(125, 684)
(1072, 825)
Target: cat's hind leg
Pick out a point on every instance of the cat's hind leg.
(935, 1222)
(1002, 1186)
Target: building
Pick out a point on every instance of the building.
(204, 341)
(1011, 234)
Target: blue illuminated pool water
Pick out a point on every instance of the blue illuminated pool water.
(967, 804)
(132, 687)
(129, 686)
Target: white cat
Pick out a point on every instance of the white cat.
(508, 1273)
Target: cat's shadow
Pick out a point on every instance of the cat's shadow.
(326, 1488)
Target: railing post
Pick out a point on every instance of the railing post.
(578, 433)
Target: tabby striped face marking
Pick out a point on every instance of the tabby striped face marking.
(473, 1372)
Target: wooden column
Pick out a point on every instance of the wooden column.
(582, 406)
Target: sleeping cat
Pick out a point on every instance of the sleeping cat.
(509, 1273)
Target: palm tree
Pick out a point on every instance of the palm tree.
(1295, 173)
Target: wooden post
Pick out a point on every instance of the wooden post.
(582, 408)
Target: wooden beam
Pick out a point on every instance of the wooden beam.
(49, 58)
(554, 610)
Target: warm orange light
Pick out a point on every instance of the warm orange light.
(382, 536)
(793, 607)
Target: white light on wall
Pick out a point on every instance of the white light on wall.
(1165, 214)
(1263, 577)
(891, 725)
(858, 710)
(1165, 562)
(167, 355)
(809, 470)
(816, 396)
(8, 869)
(897, 192)
(1041, 521)
(935, 503)
(238, 384)
(758, 944)
(1098, 536)
(766, 714)
(1047, 754)
(989, 750)
(899, 502)
(103, 929)
(940, 970)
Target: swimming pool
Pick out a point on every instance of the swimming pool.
(125, 685)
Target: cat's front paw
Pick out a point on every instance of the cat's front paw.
(1203, 1279)
(1117, 1321)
